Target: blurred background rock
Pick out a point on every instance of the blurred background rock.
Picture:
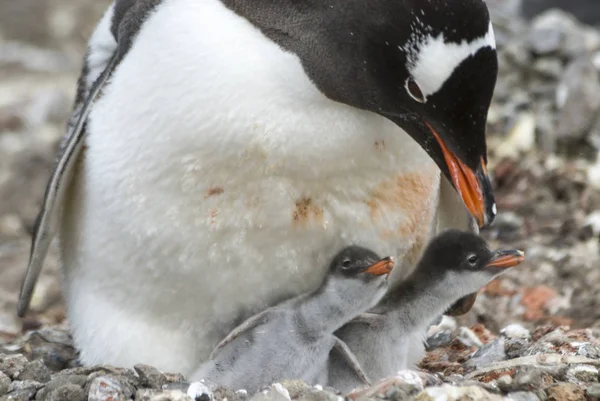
(544, 136)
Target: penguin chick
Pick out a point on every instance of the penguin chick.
(391, 336)
(293, 339)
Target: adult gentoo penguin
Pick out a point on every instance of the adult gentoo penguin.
(221, 149)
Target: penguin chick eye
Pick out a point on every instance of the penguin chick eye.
(472, 260)
(414, 91)
(346, 263)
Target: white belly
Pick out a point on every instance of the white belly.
(217, 179)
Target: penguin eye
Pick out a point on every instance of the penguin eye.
(414, 91)
(346, 263)
(473, 259)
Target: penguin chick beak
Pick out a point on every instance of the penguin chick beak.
(381, 267)
(474, 187)
(506, 259)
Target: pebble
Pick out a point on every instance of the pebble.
(58, 382)
(69, 392)
(35, 370)
(201, 392)
(12, 365)
(515, 348)
(451, 393)
(582, 373)
(4, 383)
(104, 388)
(25, 389)
(593, 391)
(515, 331)
(161, 395)
(150, 376)
(468, 337)
(523, 396)
(439, 340)
(488, 354)
(274, 393)
(565, 392)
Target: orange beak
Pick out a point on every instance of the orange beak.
(506, 259)
(381, 267)
(465, 181)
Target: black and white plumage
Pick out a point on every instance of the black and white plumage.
(293, 339)
(390, 337)
(217, 147)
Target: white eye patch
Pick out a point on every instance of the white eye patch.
(432, 61)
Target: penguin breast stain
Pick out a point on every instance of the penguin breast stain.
(305, 210)
(407, 194)
(213, 191)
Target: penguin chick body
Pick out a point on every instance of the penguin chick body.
(391, 336)
(292, 340)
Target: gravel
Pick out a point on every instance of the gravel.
(531, 335)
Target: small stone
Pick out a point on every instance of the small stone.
(589, 350)
(565, 392)
(548, 67)
(515, 348)
(452, 393)
(12, 365)
(273, 393)
(468, 337)
(439, 340)
(504, 382)
(488, 354)
(57, 382)
(161, 395)
(543, 41)
(200, 392)
(4, 384)
(319, 395)
(69, 392)
(295, 388)
(104, 388)
(593, 391)
(150, 376)
(521, 137)
(35, 370)
(11, 226)
(582, 373)
(529, 378)
(515, 331)
(23, 390)
(523, 396)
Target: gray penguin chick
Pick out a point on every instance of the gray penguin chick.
(293, 339)
(390, 337)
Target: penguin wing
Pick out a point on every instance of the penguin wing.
(371, 319)
(45, 225)
(248, 324)
(346, 353)
(126, 19)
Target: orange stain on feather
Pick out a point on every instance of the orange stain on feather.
(212, 191)
(410, 194)
(305, 210)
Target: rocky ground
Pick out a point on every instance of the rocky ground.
(532, 335)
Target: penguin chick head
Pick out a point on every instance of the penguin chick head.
(355, 261)
(463, 262)
(359, 275)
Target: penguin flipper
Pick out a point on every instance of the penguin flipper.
(248, 324)
(346, 353)
(46, 222)
(371, 319)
